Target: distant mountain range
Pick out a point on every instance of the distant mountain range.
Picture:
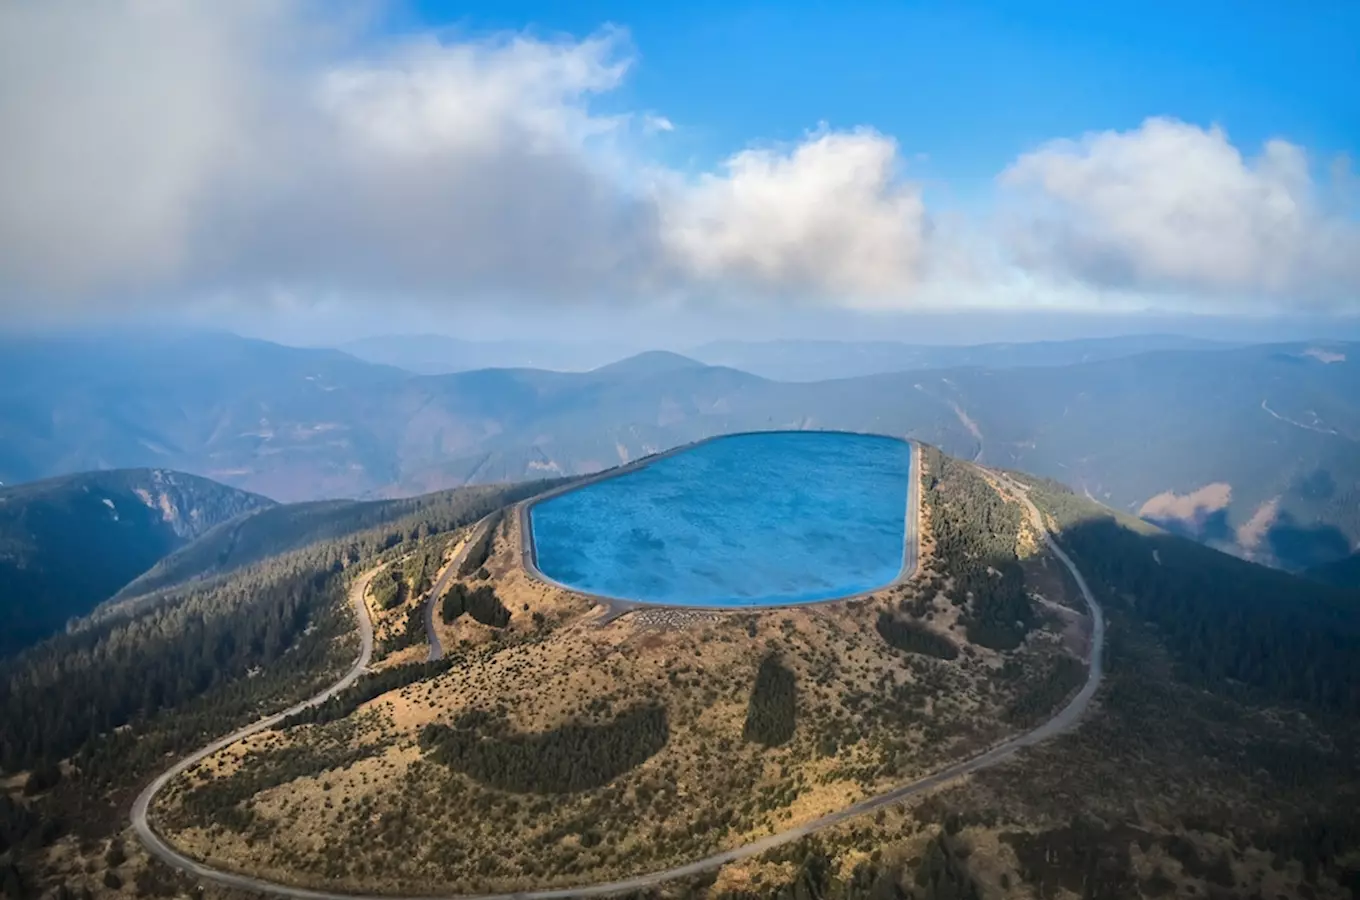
(1252, 449)
(437, 354)
(69, 543)
(787, 360)
(823, 360)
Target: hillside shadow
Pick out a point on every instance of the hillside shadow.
(1317, 485)
(1209, 528)
(1227, 622)
(1297, 546)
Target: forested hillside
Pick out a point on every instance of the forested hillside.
(975, 534)
(605, 746)
(118, 694)
(286, 527)
(1342, 572)
(1214, 763)
(69, 543)
(1226, 621)
(1206, 652)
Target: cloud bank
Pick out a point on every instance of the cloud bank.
(158, 153)
(829, 216)
(1173, 206)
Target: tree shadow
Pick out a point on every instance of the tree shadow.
(1297, 546)
(1207, 528)
(1227, 622)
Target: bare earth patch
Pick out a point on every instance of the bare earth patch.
(1189, 508)
(1253, 531)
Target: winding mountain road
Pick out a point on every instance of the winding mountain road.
(158, 846)
(1062, 721)
(450, 572)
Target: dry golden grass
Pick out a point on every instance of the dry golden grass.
(557, 668)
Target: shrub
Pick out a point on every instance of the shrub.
(772, 711)
(571, 758)
(911, 637)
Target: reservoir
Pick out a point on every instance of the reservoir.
(761, 519)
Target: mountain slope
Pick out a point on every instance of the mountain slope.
(1227, 621)
(1341, 573)
(132, 661)
(1254, 450)
(653, 362)
(284, 528)
(437, 354)
(262, 417)
(68, 543)
(1220, 751)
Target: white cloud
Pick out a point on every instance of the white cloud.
(478, 97)
(454, 168)
(189, 152)
(829, 216)
(116, 119)
(242, 149)
(652, 123)
(1174, 207)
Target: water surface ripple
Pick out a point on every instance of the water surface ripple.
(744, 520)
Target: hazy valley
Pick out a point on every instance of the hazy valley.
(1252, 449)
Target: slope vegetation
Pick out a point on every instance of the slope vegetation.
(1208, 767)
(1205, 768)
(1221, 618)
(104, 705)
(281, 529)
(1341, 573)
(603, 750)
(69, 543)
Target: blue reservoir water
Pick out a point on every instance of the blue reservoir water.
(745, 520)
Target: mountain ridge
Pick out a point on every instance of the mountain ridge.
(69, 543)
(820, 360)
(1248, 448)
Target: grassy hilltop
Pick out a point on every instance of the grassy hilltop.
(552, 747)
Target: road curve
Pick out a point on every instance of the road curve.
(1062, 721)
(158, 846)
(450, 572)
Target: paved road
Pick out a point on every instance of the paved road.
(450, 572)
(1065, 719)
(157, 845)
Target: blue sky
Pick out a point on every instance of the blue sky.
(971, 85)
(577, 165)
